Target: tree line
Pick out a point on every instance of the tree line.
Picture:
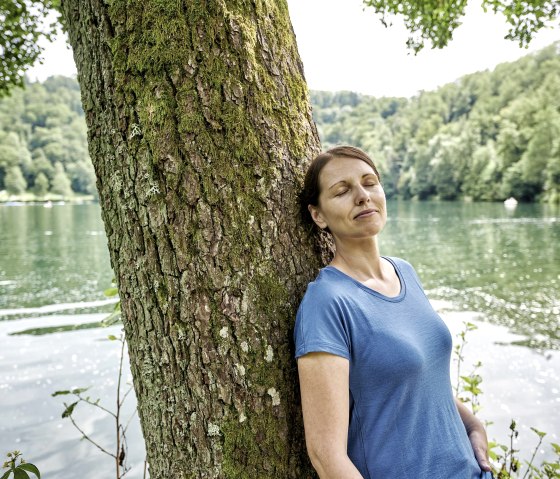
(43, 143)
(488, 136)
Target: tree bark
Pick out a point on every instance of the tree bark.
(199, 127)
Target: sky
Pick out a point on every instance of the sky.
(344, 47)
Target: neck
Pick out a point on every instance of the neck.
(360, 259)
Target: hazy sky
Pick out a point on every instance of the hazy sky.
(345, 47)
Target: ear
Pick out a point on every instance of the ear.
(317, 217)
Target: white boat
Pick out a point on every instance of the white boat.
(510, 202)
(47, 204)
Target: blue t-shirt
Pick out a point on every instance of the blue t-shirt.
(403, 421)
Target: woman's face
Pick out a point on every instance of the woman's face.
(352, 201)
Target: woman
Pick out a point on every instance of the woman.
(373, 356)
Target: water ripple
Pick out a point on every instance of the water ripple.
(52, 308)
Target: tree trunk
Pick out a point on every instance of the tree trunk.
(199, 126)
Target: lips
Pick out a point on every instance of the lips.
(365, 213)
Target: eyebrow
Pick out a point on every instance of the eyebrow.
(344, 181)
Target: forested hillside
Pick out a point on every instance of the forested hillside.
(43, 146)
(487, 136)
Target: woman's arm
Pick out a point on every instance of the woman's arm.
(477, 435)
(323, 382)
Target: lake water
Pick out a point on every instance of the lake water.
(482, 263)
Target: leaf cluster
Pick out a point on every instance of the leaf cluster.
(525, 18)
(435, 21)
(20, 471)
(22, 27)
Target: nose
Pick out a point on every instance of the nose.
(362, 195)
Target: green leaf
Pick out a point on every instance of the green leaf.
(79, 390)
(60, 393)
(31, 468)
(109, 292)
(20, 474)
(112, 337)
(69, 409)
(6, 474)
(538, 433)
(72, 391)
(473, 390)
(113, 318)
(556, 447)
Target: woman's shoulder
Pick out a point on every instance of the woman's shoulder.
(400, 263)
(321, 320)
(327, 286)
(406, 269)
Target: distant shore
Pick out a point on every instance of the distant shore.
(7, 199)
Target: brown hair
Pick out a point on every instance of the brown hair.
(311, 187)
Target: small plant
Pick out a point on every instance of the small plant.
(504, 457)
(19, 471)
(115, 316)
(468, 387)
(458, 352)
(508, 464)
(121, 449)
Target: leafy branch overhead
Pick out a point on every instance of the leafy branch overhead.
(435, 21)
(22, 25)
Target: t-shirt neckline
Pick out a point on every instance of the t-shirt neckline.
(367, 289)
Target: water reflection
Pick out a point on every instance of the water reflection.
(485, 261)
(480, 256)
(34, 367)
(52, 255)
(483, 257)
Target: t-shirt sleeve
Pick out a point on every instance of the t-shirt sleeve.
(320, 327)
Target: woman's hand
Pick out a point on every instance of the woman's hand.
(477, 435)
(479, 443)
